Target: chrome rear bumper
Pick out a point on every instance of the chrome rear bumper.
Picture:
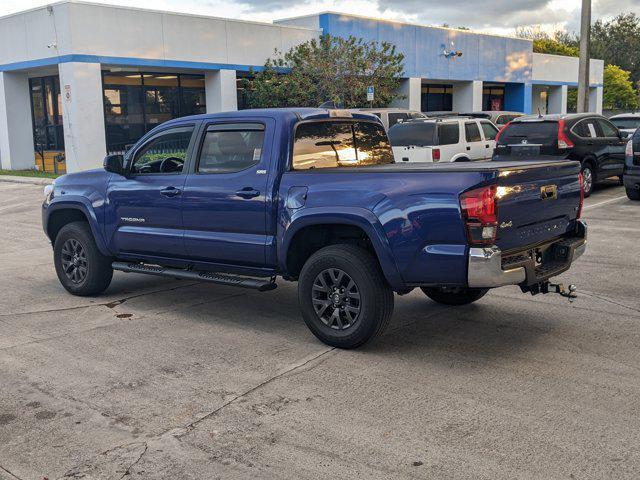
(486, 268)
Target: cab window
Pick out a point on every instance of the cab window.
(608, 130)
(228, 148)
(489, 129)
(165, 153)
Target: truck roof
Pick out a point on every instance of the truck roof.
(301, 113)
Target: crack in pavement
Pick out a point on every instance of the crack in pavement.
(2, 469)
(111, 304)
(142, 454)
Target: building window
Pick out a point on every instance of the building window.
(493, 98)
(134, 103)
(46, 113)
(437, 98)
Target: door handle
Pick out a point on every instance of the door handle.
(170, 192)
(468, 148)
(486, 146)
(248, 192)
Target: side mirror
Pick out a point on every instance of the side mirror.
(114, 164)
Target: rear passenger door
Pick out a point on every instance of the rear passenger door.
(592, 143)
(475, 146)
(224, 200)
(449, 138)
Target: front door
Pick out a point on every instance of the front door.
(224, 206)
(614, 163)
(475, 146)
(145, 216)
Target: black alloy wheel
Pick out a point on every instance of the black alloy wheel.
(336, 299)
(74, 261)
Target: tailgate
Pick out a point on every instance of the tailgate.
(537, 204)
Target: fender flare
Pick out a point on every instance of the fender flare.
(73, 202)
(356, 216)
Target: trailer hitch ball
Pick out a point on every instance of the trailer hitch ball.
(569, 292)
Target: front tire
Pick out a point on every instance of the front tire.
(454, 296)
(633, 193)
(344, 297)
(81, 268)
(588, 179)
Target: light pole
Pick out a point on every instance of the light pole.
(585, 54)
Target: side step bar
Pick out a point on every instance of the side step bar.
(211, 277)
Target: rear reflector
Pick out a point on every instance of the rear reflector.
(628, 151)
(563, 140)
(581, 196)
(435, 154)
(479, 212)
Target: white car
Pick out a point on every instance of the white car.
(626, 122)
(390, 116)
(453, 139)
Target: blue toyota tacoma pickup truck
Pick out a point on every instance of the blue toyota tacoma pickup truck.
(314, 196)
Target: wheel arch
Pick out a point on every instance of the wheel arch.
(321, 229)
(61, 213)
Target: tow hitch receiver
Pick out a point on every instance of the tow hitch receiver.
(569, 292)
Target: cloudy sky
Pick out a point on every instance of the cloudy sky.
(496, 16)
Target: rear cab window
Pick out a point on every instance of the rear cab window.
(397, 117)
(542, 133)
(340, 144)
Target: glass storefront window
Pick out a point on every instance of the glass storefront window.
(137, 102)
(46, 113)
(437, 98)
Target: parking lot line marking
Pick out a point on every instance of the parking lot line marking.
(604, 202)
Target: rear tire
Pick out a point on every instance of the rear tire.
(81, 268)
(344, 297)
(454, 296)
(588, 178)
(633, 193)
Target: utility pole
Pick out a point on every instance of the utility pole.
(585, 55)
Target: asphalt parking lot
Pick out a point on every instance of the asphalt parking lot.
(171, 379)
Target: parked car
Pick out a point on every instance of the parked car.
(632, 167)
(498, 117)
(449, 139)
(390, 116)
(313, 196)
(588, 138)
(626, 122)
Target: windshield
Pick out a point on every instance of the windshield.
(629, 123)
(543, 133)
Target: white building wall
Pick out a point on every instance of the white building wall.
(467, 96)
(82, 115)
(411, 91)
(595, 100)
(16, 131)
(558, 99)
(221, 91)
(561, 69)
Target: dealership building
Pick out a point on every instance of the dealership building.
(78, 80)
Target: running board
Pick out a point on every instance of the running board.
(211, 277)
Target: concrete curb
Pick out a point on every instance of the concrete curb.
(26, 180)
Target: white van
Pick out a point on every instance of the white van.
(454, 139)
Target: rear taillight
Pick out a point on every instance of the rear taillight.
(480, 215)
(435, 154)
(581, 195)
(500, 132)
(628, 152)
(563, 140)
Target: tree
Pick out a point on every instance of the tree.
(549, 45)
(617, 42)
(328, 69)
(618, 89)
(559, 43)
